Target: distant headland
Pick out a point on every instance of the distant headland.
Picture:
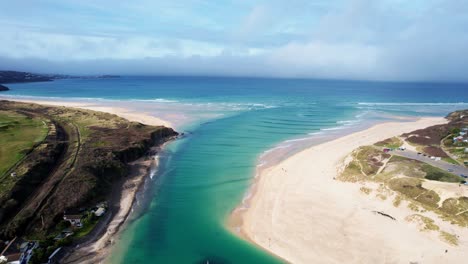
(3, 88)
(24, 77)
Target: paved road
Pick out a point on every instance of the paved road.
(457, 169)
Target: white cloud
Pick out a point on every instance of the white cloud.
(357, 39)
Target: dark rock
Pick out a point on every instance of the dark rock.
(3, 88)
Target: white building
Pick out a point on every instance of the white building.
(75, 220)
(100, 211)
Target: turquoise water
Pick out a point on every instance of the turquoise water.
(230, 123)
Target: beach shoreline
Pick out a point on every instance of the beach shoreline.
(135, 116)
(97, 249)
(316, 219)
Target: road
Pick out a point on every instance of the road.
(457, 169)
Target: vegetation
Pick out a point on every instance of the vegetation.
(366, 190)
(436, 174)
(403, 179)
(46, 248)
(81, 155)
(365, 164)
(89, 222)
(391, 143)
(426, 223)
(449, 238)
(18, 135)
(397, 201)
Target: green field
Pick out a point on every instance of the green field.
(18, 135)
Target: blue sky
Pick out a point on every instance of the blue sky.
(351, 39)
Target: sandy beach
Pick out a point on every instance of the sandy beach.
(128, 114)
(299, 212)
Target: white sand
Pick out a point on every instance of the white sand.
(300, 213)
(141, 117)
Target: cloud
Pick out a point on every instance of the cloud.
(356, 39)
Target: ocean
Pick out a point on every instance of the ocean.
(230, 124)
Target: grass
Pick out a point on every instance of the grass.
(404, 177)
(408, 167)
(436, 174)
(455, 210)
(366, 160)
(413, 207)
(450, 160)
(397, 201)
(412, 189)
(393, 143)
(449, 238)
(366, 190)
(426, 223)
(18, 135)
(86, 229)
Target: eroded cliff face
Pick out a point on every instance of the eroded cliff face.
(75, 167)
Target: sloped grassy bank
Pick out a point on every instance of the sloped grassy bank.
(75, 165)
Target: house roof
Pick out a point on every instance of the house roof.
(13, 257)
(72, 217)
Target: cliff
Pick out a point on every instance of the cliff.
(83, 155)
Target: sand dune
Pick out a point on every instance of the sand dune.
(300, 213)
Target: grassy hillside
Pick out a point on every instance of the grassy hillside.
(18, 135)
(72, 162)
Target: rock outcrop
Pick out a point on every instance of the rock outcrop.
(3, 88)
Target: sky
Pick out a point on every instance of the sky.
(398, 40)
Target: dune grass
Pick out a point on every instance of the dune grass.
(392, 143)
(436, 174)
(426, 223)
(449, 238)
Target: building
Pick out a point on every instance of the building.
(27, 251)
(100, 211)
(14, 258)
(75, 220)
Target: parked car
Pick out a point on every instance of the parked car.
(464, 176)
(419, 153)
(450, 170)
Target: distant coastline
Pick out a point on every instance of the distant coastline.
(25, 77)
